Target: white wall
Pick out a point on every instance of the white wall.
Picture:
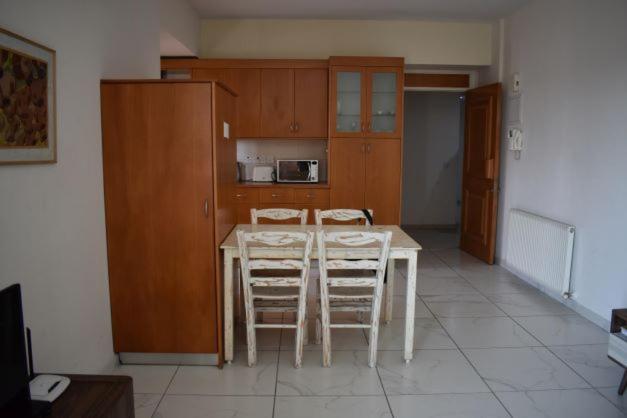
(431, 153)
(572, 58)
(420, 42)
(180, 28)
(52, 230)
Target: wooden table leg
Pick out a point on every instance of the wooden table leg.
(389, 291)
(228, 306)
(412, 272)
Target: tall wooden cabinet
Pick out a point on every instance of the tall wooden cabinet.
(366, 111)
(169, 172)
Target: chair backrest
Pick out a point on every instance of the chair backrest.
(360, 250)
(272, 247)
(342, 215)
(278, 214)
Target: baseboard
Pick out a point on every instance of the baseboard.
(188, 359)
(572, 302)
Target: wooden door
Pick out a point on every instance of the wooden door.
(310, 102)
(247, 84)
(277, 102)
(481, 171)
(384, 102)
(159, 215)
(347, 173)
(347, 104)
(383, 180)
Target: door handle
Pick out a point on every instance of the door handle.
(369, 126)
(296, 127)
(206, 208)
(363, 148)
(368, 148)
(275, 195)
(291, 127)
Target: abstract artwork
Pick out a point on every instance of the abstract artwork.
(27, 101)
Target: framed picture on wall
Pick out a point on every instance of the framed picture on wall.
(27, 101)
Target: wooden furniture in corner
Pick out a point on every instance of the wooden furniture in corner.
(617, 347)
(95, 396)
(168, 179)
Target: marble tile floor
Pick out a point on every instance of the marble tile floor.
(487, 345)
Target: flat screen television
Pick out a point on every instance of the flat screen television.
(14, 379)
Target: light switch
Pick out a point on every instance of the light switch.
(516, 83)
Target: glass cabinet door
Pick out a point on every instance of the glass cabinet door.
(383, 102)
(348, 107)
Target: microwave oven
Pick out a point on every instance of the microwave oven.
(297, 171)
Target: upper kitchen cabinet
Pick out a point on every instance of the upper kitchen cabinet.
(310, 102)
(294, 102)
(366, 97)
(277, 102)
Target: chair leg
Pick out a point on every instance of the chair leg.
(318, 331)
(374, 325)
(389, 291)
(306, 331)
(301, 330)
(251, 338)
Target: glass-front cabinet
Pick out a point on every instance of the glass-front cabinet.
(366, 102)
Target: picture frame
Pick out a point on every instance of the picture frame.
(28, 126)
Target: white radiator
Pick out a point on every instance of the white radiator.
(540, 250)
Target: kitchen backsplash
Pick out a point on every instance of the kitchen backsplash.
(267, 151)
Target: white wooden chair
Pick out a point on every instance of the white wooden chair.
(272, 293)
(346, 293)
(278, 214)
(341, 215)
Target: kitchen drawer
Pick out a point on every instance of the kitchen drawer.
(276, 195)
(312, 196)
(246, 195)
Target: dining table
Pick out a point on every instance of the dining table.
(402, 247)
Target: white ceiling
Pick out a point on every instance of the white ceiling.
(357, 9)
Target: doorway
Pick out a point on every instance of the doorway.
(432, 167)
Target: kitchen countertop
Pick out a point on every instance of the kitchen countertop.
(321, 185)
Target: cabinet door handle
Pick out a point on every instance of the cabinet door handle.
(206, 208)
(296, 127)
(308, 196)
(275, 195)
(363, 148)
(238, 195)
(369, 126)
(363, 128)
(291, 127)
(368, 148)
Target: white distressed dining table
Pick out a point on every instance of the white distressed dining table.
(403, 247)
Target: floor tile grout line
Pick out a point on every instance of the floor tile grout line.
(387, 400)
(548, 348)
(530, 333)
(470, 363)
(464, 354)
(178, 366)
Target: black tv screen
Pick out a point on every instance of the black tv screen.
(14, 376)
